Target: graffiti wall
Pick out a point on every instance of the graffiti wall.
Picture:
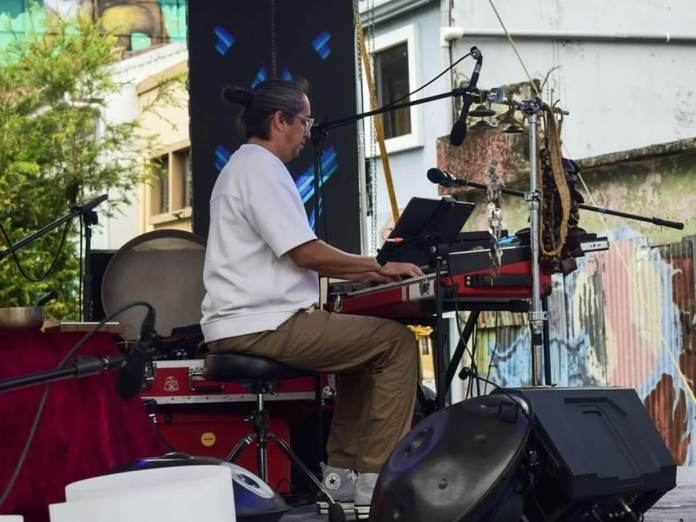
(626, 317)
(138, 24)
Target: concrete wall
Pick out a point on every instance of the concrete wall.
(622, 92)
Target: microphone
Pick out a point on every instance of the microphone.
(442, 178)
(91, 204)
(132, 375)
(459, 128)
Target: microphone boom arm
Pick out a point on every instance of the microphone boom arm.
(654, 220)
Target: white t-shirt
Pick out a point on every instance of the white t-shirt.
(256, 217)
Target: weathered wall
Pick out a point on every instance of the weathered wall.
(624, 69)
(627, 316)
(656, 181)
(624, 318)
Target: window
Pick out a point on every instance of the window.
(171, 195)
(391, 83)
(395, 75)
(160, 192)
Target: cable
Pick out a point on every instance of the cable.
(426, 84)
(47, 388)
(514, 398)
(53, 263)
(514, 48)
(495, 346)
(473, 367)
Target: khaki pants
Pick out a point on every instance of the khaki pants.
(376, 366)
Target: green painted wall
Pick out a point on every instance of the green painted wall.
(653, 186)
(16, 20)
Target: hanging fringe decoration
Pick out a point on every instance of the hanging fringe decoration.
(560, 234)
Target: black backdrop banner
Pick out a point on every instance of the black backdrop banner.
(244, 42)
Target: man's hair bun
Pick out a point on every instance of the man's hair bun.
(238, 95)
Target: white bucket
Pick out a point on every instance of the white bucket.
(175, 494)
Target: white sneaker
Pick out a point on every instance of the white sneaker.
(340, 483)
(363, 494)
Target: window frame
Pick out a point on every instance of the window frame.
(405, 34)
(175, 189)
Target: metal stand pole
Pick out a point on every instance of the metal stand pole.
(536, 315)
(89, 218)
(441, 353)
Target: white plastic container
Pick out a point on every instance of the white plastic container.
(175, 494)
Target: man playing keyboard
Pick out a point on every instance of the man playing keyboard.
(262, 290)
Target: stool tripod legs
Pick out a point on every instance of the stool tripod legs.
(294, 458)
(263, 458)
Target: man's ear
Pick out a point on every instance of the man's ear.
(278, 121)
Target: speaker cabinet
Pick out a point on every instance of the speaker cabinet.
(532, 454)
(601, 456)
(98, 260)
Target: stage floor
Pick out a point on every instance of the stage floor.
(679, 505)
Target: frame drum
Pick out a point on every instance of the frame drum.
(163, 268)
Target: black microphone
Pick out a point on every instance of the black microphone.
(442, 178)
(459, 128)
(89, 205)
(132, 376)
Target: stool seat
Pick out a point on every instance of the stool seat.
(237, 367)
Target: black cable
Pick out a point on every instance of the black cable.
(495, 346)
(461, 331)
(470, 353)
(426, 84)
(53, 263)
(47, 388)
(474, 366)
(515, 399)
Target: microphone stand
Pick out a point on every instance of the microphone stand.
(81, 367)
(537, 315)
(602, 210)
(319, 132)
(89, 217)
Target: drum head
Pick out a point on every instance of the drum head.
(163, 268)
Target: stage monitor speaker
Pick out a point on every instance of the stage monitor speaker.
(534, 454)
(601, 455)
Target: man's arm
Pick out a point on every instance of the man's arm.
(367, 277)
(327, 260)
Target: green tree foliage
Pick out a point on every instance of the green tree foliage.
(56, 150)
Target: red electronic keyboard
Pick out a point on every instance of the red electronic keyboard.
(467, 285)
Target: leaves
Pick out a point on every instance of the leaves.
(56, 149)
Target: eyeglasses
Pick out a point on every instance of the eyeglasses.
(307, 121)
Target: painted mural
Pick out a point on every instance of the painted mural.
(138, 24)
(626, 317)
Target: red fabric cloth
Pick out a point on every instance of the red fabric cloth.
(86, 430)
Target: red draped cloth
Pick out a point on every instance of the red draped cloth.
(86, 430)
